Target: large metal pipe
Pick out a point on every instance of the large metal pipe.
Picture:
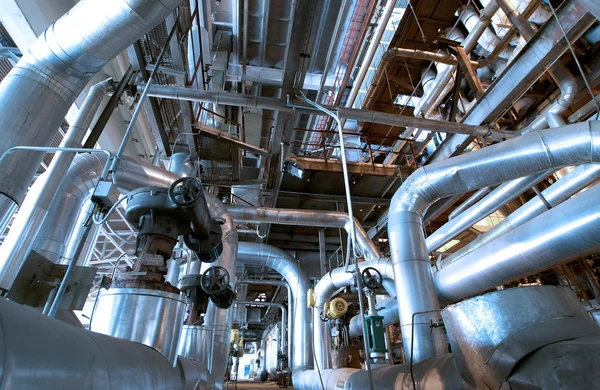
(571, 229)
(259, 102)
(542, 51)
(501, 195)
(437, 373)
(288, 267)
(305, 218)
(388, 309)
(570, 184)
(40, 352)
(39, 90)
(469, 202)
(34, 209)
(534, 152)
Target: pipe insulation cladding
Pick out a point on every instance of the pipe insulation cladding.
(533, 152)
(36, 95)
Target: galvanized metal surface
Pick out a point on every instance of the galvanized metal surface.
(479, 327)
(39, 352)
(151, 317)
(534, 152)
(569, 230)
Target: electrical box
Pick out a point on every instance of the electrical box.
(376, 335)
(105, 194)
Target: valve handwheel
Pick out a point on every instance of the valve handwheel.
(214, 280)
(185, 191)
(372, 278)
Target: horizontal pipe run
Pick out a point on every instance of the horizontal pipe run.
(567, 231)
(469, 202)
(534, 152)
(573, 182)
(501, 195)
(305, 218)
(234, 99)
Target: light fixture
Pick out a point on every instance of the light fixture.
(293, 169)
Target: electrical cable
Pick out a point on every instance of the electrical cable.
(109, 212)
(125, 240)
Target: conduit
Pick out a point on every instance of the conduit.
(528, 154)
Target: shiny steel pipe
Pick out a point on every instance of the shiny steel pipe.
(40, 89)
(501, 195)
(305, 218)
(469, 202)
(324, 291)
(569, 230)
(534, 152)
(40, 352)
(34, 209)
(287, 266)
(570, 184)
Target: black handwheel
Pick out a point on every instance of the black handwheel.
(371, 278)
(214, 280)
(323, 316)
(185, 191)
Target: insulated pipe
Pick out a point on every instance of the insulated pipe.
(371, 50)
(305, 218)
(469, 202)
(34, 209)
(283, 317)
(569, 230)
(287, 266)
(565, 79)
(570, 184)
(219, 321)
(488, 39)
(534, 152)
(40, 352)
(324, 290)
(501, 195)
(40, 89)
(235, 99)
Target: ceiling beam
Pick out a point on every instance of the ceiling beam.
(313, 164)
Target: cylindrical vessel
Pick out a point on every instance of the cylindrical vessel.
(151, 317)
(498, 329)
(194, 342)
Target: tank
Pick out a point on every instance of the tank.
(490, 334)
(196, 343)
(150, 317)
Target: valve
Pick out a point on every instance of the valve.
(371, 278)
(215, 280)
(185, 191)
